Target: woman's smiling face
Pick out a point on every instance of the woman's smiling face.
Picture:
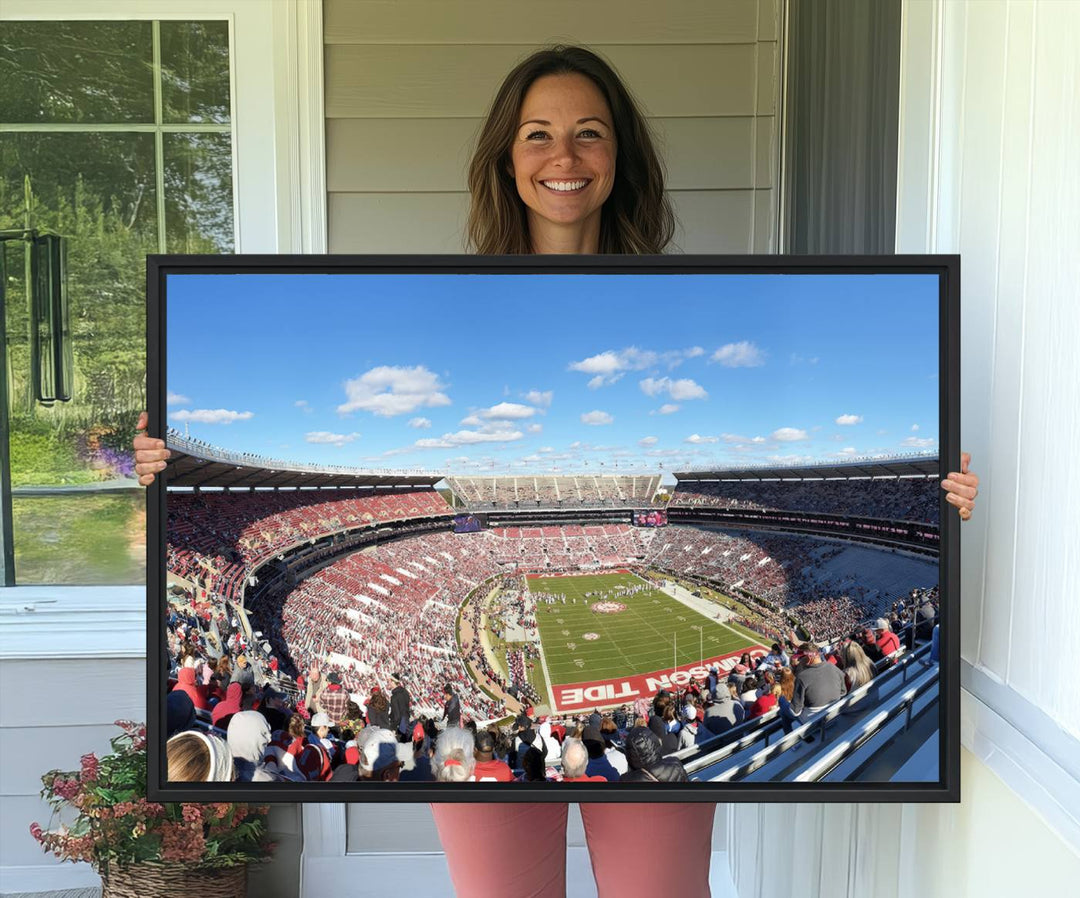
(563, 155)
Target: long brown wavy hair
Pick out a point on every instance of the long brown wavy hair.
(637, 216)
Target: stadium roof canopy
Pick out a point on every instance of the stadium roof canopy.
(194, 463)
(902, 466)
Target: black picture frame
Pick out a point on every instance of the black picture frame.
(947, 789)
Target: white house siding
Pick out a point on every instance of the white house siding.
(408, 83)
(989, 142)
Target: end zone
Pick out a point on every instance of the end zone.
(573, 697)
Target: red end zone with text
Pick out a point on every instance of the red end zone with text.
(621, 690)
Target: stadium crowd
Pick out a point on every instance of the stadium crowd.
(894, 498)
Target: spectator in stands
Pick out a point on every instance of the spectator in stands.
(669, 741)
(869, 646)
(784, 700)
(887, 641)
(692, 732)
(451, 706)
(353, 721)
(185, 682)
(817, 685)
(378, 712)
(321, 724)
(599, 763)
(749, 691)
(225, 709)
(720, 713)
(488, 769)
(379, 756)
(455, 755)
(765, 702)
(534, 767)
(645, 757)
(198, 757)
(348, 770)
(400, 700)
(244, 674)
(179, 713)
(858, 671)
(575, 759)
(249, 734)
(325, 693)
(776, 658)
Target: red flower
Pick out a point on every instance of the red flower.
(90, 768)
(37, 832)
(65, 788)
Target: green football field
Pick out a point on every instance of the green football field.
(639, 640)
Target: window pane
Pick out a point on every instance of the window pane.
(198, 193)
(98, 191)
(76, 72)
(195, 71)
(83, 539)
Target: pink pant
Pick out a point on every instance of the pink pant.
(520, 849)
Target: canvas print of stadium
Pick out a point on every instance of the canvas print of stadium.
(554, 528)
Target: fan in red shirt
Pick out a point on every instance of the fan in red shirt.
(765, 702)
(488, 770)
(887, 641)
(575, 758)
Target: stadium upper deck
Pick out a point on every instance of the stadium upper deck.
(531, 491)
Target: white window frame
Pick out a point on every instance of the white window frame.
(279, 198)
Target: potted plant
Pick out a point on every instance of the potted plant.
(142, 848)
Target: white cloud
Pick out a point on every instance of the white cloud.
(300, 403)
(797, 359)
(647, 441)
(681, 389)
(330, 439)
(472, 421)
(546, 449)
(420, 423)
(609, 366)
(918, 442)
(739, 355)
(697, 439)
(507, 411)
(668, 408)
(393, 390)
(789, 435)
(211, 415)
(845, 420)
(468, 438)
(534, 428)
(847, 450)
(176, 399)
(914, 428)
(541, 398)
(694, 351)
(596, 418)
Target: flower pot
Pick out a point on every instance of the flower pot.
(150, 880)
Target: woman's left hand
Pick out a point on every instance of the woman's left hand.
(961, 487)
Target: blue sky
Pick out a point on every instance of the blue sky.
(555, 373)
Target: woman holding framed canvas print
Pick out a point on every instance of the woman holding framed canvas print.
(565, 164)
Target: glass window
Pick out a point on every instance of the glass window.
(117, 136)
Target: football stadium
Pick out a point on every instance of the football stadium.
(767, 623)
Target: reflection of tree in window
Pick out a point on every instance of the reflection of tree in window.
(116, 135)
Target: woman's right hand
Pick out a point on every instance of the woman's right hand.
(150, 453)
